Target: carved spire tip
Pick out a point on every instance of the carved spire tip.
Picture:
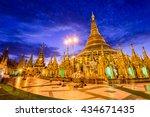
(93, 17)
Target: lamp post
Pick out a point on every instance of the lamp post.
(66, 43)
(72, 41)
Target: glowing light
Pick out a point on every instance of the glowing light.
(69, 40)
(75, 39)
(20, 70)
(66, 42)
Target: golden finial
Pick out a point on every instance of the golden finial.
(93, 17)
(144, 53)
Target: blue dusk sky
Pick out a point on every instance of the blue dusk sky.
(26, 24)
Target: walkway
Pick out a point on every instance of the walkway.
(89, 92)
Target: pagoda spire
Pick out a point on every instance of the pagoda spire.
(93, 17)
(2, 61)
(55, 63)
(55, 60)
(67, 54)
(145, 54)
(134, 55)
(94, 29)
(40, 60)
(22, 62)
(95, 40)
(4, 56)
(55, 66)
(30, 63)
(121, 52)
(5, 61)
(50, 64)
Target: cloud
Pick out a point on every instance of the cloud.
(18, 49)
(25, 25)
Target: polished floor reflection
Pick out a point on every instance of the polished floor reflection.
(89, 92)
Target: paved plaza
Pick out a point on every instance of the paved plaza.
(89, 92)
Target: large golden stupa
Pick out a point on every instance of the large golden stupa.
(95, 43)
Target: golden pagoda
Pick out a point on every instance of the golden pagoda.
(94, 43)
(94, 52)
(50, 64)
(22, 63)
(55, 67)
(29, 68)
(30, 62)
(40, 60)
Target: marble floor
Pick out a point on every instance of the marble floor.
(89, 92)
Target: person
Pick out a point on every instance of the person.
(24, 78)
(51, 79)
(63, 84)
